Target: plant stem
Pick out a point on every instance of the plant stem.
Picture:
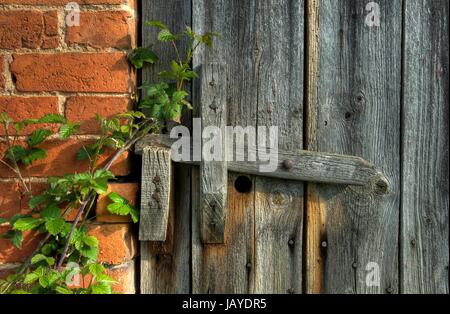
(134, 138)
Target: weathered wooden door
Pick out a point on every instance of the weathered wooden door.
(333, 80)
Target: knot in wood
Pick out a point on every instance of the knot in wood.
(156, 180)
(288, 164)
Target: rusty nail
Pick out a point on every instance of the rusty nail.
(288, 164)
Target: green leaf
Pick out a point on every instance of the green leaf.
(48, 118)
(68, 129)
(96, 269)
(38, 136)
(30, 278)
(48, 248)
(17, 239)
(15, 236)
(16, 153)
(55, 226)
(40, 257)
(20, 291)
(166, 35)
(101, 288)
(134, 214)
(28, 223)
(139, 56)
(62, 290)
(116, 198)
(51, 212)
(90, 241)
(33, 155)
(90, 252)
(155, 23)
(35, 201)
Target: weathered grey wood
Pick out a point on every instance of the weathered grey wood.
(306, 165)
(155, 195)
(425, 186)
(262, 45)
(213, 173)
(223, 267)
(279, 204)
(354, 108)
(165, 267)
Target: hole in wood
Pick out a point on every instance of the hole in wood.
(243, 184)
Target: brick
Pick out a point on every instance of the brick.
(61, 2)
(103, 29)
(13, 199)
(71, 72)
(2, 74)
(11, 254)
(82, 109)
(19, 108)
(125, 275)
(117, 243)
(127, 190)
(61, 160)
(26, 28)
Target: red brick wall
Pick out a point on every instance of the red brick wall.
(47, 66)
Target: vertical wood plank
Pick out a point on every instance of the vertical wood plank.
(155, 196)
(354, 108)
(262, 45)
(278, 48)
(228, 267)
(213, 173)
(425, 186)
(166, 268)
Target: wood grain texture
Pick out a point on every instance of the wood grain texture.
(155, 196)
(306, 165)
(212, 99)
(425, 186)
(354, 108)
(262, 45)
(165, 267)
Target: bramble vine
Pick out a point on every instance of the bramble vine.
(66, 249)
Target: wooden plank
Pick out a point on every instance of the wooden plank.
(425, 186)
(223, 267)
(306, 165)
(279, 58)
(353, 98)
(165, 267)
(155, 196)
(259, 37)
(213, 168)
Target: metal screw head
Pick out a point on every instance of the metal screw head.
(355, 265)
(324, 244)
(288, 164)
(390, 290)
(291, 242)
(248, 265)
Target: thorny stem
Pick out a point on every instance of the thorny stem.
(134, 138)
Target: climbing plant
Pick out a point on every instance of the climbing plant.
(66, 249)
